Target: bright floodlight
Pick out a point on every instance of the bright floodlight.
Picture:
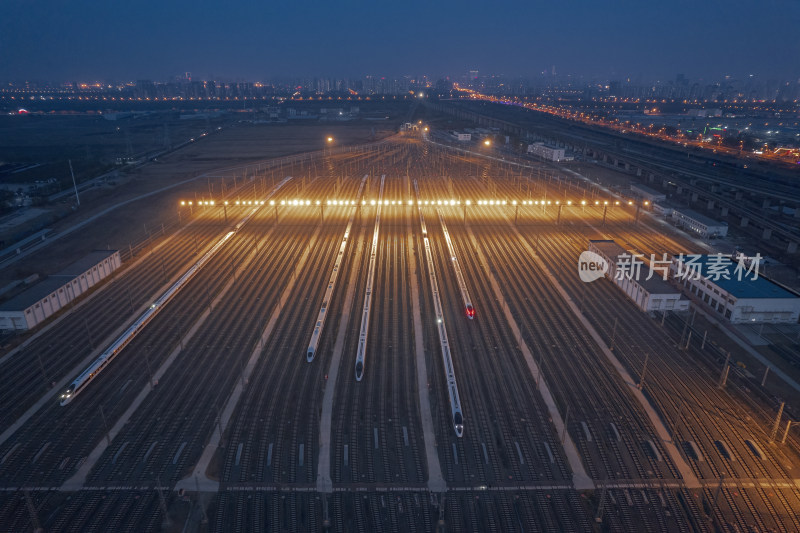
(330, 139)
(583, 202)
(487, 142)
(272, 202)
(569, 202)
(183, 202)
(469, 202)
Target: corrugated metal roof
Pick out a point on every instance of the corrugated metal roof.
(88, 261)
(747, 287)
(36, 293)
(51, 284)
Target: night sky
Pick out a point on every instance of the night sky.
(86, 40)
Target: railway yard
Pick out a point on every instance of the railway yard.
(459, 297)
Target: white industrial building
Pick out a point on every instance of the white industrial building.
(698, 223)
(663, 208)
(551, 153)
(459, 136)
(35, 305)
(646, 193)
(649, 295)
(733, 290)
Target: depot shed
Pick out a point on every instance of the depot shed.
(734, 292)
(36, 304)
(649, 295)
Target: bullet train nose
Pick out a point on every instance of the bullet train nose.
(310, 355)
(359, 371)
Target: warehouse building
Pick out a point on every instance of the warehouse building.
(35, 305)
(700, 224)
(550, 153)
(650, 295)
(663, 208)
(733, 290)
(646, 193)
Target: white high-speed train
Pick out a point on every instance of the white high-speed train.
(86, 377)
(111, 352)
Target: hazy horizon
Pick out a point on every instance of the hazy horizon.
(150, 40)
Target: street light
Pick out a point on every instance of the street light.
(487, 142)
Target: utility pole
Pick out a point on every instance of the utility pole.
(105, 425)
(786, 431)
(162, 501)
(37, 526)
(716, 496)
(723, 378)
(777, 422)
(599, 516)
(88, 333)
(688, 340)
(644, 372)
(678, 421)
(75, 185)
